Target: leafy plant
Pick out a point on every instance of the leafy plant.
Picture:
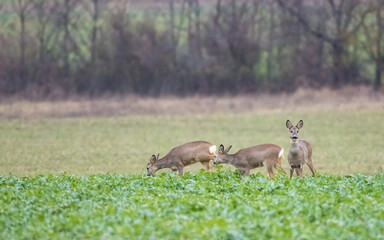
(218, 205)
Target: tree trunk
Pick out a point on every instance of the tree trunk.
(66, 38)
(198, 29)
(379, 57)
(95, 18)
(338, 67)
(172, 30)
(270, 43)
(377, 82)
(22, 8)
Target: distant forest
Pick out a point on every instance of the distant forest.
(186, 47)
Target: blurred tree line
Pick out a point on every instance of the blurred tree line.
(183, 47)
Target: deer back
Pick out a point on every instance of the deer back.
(256, 156)
(192, 152)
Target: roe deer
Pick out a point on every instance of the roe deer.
(246, 159)
(300, 151)
(184, 155)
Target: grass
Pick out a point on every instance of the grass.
(220, 205)
(344, 142)
(70, 173)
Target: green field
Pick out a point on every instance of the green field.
(344, 142)
(220, 205)
(84, 178)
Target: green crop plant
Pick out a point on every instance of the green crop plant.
(218, 205)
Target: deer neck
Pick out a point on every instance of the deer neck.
(229, 159)
(162, 163)
(294, 146)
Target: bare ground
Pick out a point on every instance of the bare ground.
(349, 98)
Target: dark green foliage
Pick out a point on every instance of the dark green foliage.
(219, 205)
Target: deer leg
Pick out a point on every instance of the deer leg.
(310, 165)
(181, 169)
(246, 172)
(241, 171)
(278, 166)
(291, 173)
(301, 170)
(297, 170)
(207, 166)
(270, 171)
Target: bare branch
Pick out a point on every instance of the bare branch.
(305, 23)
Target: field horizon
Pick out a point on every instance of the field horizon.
(303, 100)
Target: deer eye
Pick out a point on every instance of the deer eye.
(291, 131)
(297, 131)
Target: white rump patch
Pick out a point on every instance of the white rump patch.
(212, 149)
(281, 152)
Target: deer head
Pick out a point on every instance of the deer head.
(152, 167)
(294, 130)
(220, 157)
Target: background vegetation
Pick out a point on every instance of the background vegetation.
(183, 47)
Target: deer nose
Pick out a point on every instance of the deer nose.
(294, 137)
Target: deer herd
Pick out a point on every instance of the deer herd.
(269, 155)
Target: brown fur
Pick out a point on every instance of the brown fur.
(182, 156)
(253, 157)
(300, 151)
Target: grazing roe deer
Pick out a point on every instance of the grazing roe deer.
(300, 151)
(246, 159)
(184, 155)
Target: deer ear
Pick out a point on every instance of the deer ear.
(157, 157)
(228, 148)
(221, 149)
(288, 124)
(300, 124)
(152, 160)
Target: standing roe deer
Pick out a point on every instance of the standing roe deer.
(246, 159)
(184, 155)
(300, 151)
